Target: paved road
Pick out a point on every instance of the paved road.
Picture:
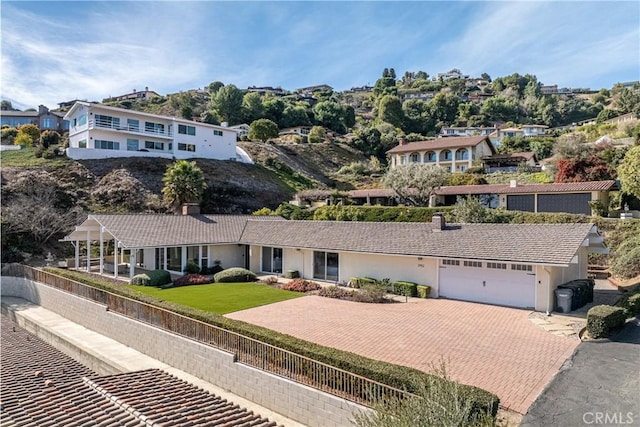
(599, 385)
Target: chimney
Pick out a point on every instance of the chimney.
(191, 209)
(224, 124)
(134, 91)
(437, 222)
(146, 88)
(513, 183)
(402, 141)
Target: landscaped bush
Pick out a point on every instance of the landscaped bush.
(301, 285)
(630, 301)
(152, 278)
(335, 292)
(211, 270)
(235, 274)
(292, 274)
(408, 289)
(423, 291)
(601, 319)
(191, 279)
(370, 292)
(397, 376)
(358, 282)
(191, 268)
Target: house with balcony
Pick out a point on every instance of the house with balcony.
(98, 131)
(446, 132)
(455, 154)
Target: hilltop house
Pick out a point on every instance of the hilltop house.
(454, 154)
(143, 94)
(43, 118)
(466, 131)
(98, 131)
(516, 265)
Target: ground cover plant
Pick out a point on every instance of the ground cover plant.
(220, 298)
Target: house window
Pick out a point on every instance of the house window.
(132, 144)
(476, 264)
(497, 265)
(450, 262)
(186, 147)
(82, 120)
(75, 122)
(521, 267)
(107, 121)
(174, 258)
(160, 259)
(204, 256)
(106, 145)
(82, 143)
(47, 123)
(154, 145)
(325, 265)
(186, 130)
(445, 155)
(133, 125)
(414, 157)
(157, 128)
(271, 259)
(462, 155)
(431, 156)
(193, 254)
(218, 132)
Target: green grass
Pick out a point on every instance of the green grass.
(220, 298)
(27, 157)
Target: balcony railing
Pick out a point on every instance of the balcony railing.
(106, 124)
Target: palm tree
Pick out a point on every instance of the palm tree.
(183, 183)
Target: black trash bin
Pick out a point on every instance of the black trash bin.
(564, 297)
(579, 297)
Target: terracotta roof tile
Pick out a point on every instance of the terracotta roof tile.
(441, 143)
(569, 187)
(536, 243)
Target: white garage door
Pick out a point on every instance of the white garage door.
(503, 284)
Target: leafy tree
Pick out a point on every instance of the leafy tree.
(32, 130)
(517, 144)
(186, 112)
(227, 104)
(417, 117)
(628, 100)
(501, 109)
(263, 130)
(416, 182)
(629, 172)
(421, 75)
(273, 109)
(183, 183)
(295, 115)
(390, 110)
(385, 86)
(542, 147)
(444, 108)
(333, 115)
(48, 138)
(5, 105)
(252, 107)
(214, 87)
(367, 140)
(316, 134)
(485, 76)
(469, 210)
(605, 115)
(592, 168)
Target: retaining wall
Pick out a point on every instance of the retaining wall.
(296, 401)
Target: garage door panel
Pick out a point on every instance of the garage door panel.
(502, 287)
(577, 203)
(525, 202)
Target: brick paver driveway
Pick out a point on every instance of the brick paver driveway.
(495, 348)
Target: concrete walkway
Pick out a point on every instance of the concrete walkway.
(107, 356)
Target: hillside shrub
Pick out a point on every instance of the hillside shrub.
(191, 267)
(602, 319)
(152, 278)
(423, 291)
(397, 376)
(235, 274)
(301, 285)
(191, 279)
(408, 289)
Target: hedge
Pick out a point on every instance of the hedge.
(235, 274)
(423, 291)
(409, 289)
(387, 373)
(601, 319)
(358, 282)
(152, 278)
(630, 301)
(291, 274)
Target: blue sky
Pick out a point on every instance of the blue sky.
(57, 51)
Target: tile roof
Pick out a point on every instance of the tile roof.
(535, 243)
(567, 187)
(441, 143)
(42, 387)
(142, 230)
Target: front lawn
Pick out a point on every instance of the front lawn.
(220, 298)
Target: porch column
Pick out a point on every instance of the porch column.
(101, 250)
(132, 262)
(88, 251)
(438, 157)
(115, 258)
(453, 159)
(77, 247)
(183, 261)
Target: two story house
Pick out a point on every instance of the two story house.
(98, 131)
(456, 154)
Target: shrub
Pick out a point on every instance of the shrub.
(49, 138)
(334, 292)
(423, 291)
(626, 259)
(601, 319)
(358, 282)
(370, 293)
(152, 278)
(301, 285)
(408, 289)
(235, 274)
(271, 280)
(292, 274)
(191, 279)
(630, 301)
(217, 268)
(191, 267)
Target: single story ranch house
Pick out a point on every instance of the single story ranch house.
(516, 265)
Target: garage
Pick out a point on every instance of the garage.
(576, 203)
(498, 283)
